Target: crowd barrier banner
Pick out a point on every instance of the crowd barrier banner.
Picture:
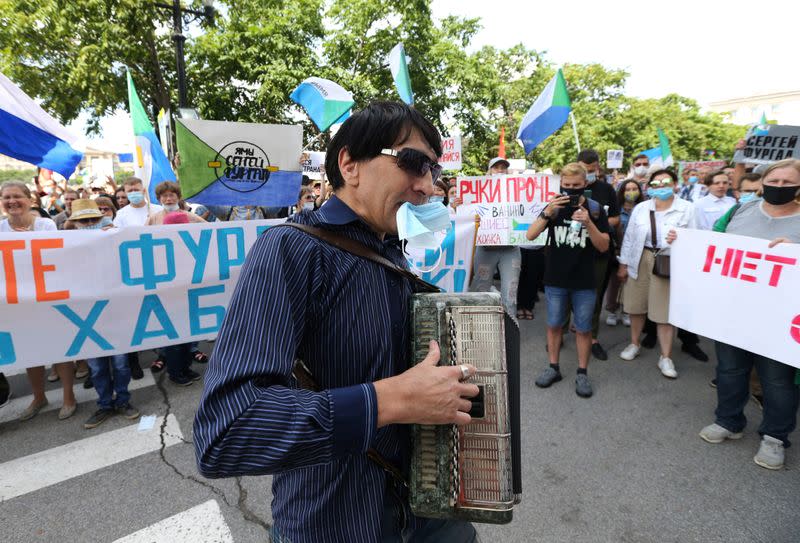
(449, 266)
(508, 204)
(80, 294)
(451, 154)
(769, 143)
(737, 290)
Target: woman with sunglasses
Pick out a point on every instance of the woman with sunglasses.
(646, 294)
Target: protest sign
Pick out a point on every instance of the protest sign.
(769, 143)
(507, 205)
(449, 266)
(92, 293)
(451, 154)
(313, 164)
(737, 290)
(226, 163)
(614, 159)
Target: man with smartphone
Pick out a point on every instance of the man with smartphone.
(577, 232)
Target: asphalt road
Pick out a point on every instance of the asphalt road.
(624, 466)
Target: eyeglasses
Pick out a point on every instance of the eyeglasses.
(661, 183)
(637, 164)
(104, 209)
(415, 162)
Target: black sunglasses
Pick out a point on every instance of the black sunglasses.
(415, 162)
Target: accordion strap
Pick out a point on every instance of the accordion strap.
(358, 249)
(304, 378)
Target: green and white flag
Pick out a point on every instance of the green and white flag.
(398, 64)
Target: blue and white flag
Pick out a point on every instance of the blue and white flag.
(398, 65)
(547, 114)
(29, 134)
(326, 103)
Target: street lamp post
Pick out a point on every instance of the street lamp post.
(178, 14)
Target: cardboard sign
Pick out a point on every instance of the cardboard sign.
(314, 164)
(99, 293)
(614, 159)
(737, 290)
(507, 205)
(770, 143)
(451, 154)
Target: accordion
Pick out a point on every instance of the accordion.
(469, 472)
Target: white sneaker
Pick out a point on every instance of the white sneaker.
(630, 352)
(612, 320)
(714, 433)
(667, 367)
(626, 319)
(770, 454)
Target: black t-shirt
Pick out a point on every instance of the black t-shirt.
(605, 195)
(570, 256)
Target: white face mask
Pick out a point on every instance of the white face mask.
(308, 206)
(640, 170)
(170, 207)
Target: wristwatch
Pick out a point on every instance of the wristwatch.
(542, 215)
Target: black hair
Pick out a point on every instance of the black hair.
(641, 155)
(710, 177)
(588, 156)
(667, 171)
(621, 191)
(380, 125)
(306, 181)
(750, 177)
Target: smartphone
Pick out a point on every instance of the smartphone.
(574, 200)
(588, 194)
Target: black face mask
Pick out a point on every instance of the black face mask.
(572, 192)
(779, 195)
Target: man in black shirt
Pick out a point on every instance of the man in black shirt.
(577, 232)
(605, 195)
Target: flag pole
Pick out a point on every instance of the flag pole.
(575, 131)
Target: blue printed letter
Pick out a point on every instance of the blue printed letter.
(151, 304)
(196, 312)
(199, 251)
(7, 355)
(85, 327)
(225, 262)
(149, 278)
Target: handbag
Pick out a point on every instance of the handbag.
(661, 263)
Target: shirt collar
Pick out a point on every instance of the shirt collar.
(336, 212)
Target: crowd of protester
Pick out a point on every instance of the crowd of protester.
(605, 233)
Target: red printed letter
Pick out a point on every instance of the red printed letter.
(7, 248)
(777, 268)
(39, 269)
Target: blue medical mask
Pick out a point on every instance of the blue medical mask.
(416, 224)
(747, 197)
(436, 200)
(591, 177)
(102, 223)
(693, 179)
(664, 193)
(170, 207)
(136, 197)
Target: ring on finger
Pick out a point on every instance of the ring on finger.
(464, 372)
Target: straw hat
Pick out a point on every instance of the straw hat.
(85, 209)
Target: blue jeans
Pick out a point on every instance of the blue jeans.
(396, 529)
(177, 359)
(781, 395)
(102, 379)
(558, 302)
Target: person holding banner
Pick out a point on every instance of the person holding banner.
(16, 199)
(646, 292)
(775, 218)
(503, 258)
(577, 230)
(301, 298)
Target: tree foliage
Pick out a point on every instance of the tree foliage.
(243, 67)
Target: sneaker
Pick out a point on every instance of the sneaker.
(626, 319)
(136, 369)
(5, 391)
(714, 433)
(667, 367)
(612, 319)
(98, 418)
(193, 375)
(181, 381)
(88, 383)
(548, 377)
(695, 352)
(52, 377)
(770, 454)
(127, 411)
(598, 352)
(630, 352)
(649, 341)
(583, 387)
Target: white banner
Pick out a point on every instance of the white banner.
(448, 267)
(70, 295)
(451, 159)
(508, 204)
(737, 290)
(313, 164)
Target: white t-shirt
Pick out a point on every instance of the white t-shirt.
(39, 224)
(135, 216)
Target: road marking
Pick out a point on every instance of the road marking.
(36, 471)
(203, 523)
(16, 406)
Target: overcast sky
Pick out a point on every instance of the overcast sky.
(705, 49)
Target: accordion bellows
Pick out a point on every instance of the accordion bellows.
(470, 472)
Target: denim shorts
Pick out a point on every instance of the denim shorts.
(558, 302)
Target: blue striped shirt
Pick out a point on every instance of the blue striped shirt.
(346, 318)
